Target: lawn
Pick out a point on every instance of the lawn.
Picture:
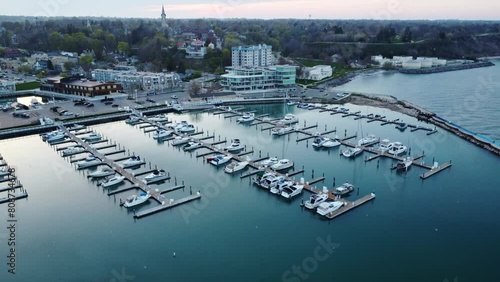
(27, 86)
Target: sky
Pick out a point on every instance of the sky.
(264, 9)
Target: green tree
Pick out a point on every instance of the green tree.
(387, 66)
(68, 66)
(86, 60)
(25, 69)
(123, 47)
(181, 68)
(50, 65)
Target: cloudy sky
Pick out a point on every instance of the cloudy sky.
(266, 9)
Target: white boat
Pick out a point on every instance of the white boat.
(269, 180)
(247, 117)
(385, 145)
(50, 134)
(88, 162)
(282, 164)
(4, 171)
(188, 128)
(235, 146)
(72, 151)
(191, 145)
(92, 137)
(224, 108)
(135, 200)
(328, 207)
(319, 141)
(56, 137)
(397, 149)
(269, 162)
(115, 180)
(235, 166)
(291, 103)
(180, 140)
(132, 161)
(277, 189)
(157, 175)
(315, 200)
(133, 119)
(289, 119)
(352, 152)
(343, 189)
(404, 165)
(161, 133)
(282, 130)
(102, 173)
(292, 191)
(46, 121)
(76, 127)
(158, 118)
(331, 143)
(178, 126)
(219, 159)
(367, 140)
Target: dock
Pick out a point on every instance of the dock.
(166, 206)
(350, 206)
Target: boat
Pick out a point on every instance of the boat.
(315, 200)
(282, 130)
(191, 145)
(224, 108)
(4, 171)
(303, 105)
(161, 133)
(291, 103)
(92, 137)
(352, 152)
(268, 180)
(219, 159)
(282, 164)
(89, 161)
(247, 117)
(46, 121)
(331, 143)
(56, 137)
(235, 146)
(180, 140)
(157, 175)
(76, 127)
(385, 145)
(269, 162)
(132, 161)
(235, 166)
(188, 128)
(133, 120)
(135, 200)
(277, 189)
(397, 149)
(72, 151)
(292, 190)
(289, 119)
(113, 181)
(102, 173)
(402, 126)
(178, 126)
(370, 139)
(404, 164)
(343, 189)
(328, 207)
(50, 134)
(319, 141)
(158, 118)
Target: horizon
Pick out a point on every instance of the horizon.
(398, 10)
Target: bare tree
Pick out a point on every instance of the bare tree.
(194, 89)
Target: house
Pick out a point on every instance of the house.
(40, 65)
(196, 50)
(318, 72)
(12, 53)
(76, 85)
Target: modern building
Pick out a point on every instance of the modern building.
(407, 62)
(75, 85)
(196, 50)
(131, 79)
(252, 56)
(318, 72)
(259, 79)
(7, 86)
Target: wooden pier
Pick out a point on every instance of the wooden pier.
(350, 205)
(166, 206)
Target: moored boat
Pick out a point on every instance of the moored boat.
(385, 145)
(135, 200)
(397, 149)
(343, 189)
(352, 152)
(131, 162)
(219, 159)
(404, 165)
(89, 161)
(191, 145)
(180, 140)
(292, 190)
(289, 119)
(328, 207)
(235, 166)
(282, 165)
(315, 200)
(235, 146)
(161, 133)
(247, 117)
(370, 139)
(72, 151)
(102, 173)
(115, 180)
(155, 176)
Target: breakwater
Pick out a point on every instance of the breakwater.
(473, 65)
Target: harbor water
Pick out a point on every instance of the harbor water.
(438, 229)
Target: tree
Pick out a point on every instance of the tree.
(181, 68)
(68, 66)
(194, 89)
(123, 47)
(24, 69)
(86, 60)
(50, 65)
(387, 66)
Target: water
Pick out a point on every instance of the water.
(70, 230)
(470, 98)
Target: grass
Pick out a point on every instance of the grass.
(27, 86)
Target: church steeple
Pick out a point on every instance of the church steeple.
(163, 14)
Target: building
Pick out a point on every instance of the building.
(196, 50)
(407, 62)
(75, 85)
(318, 72)
(258, 79)
(7, 86)
(252, 56)
(40, 65)
(131, 79)
(163, 17)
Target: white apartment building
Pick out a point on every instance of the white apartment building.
(132, 79)
(258, 79)
(318, 72)
(252, 56)
(7, 86)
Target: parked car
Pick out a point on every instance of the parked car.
(173, 96)
(115, 106)
(90, 105)
(108, 103)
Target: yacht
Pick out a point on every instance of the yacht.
(133, 120)
(76, 127)
(291, 103)
(235, 166)
(404, 164)
(269, 162)
(178, 126)
(370, 139)
(282, 130)
(219, 159)
(319, 141)
(343, 189)
(72, 151)
(385, 145)
(113, 181)
(235, 146)
(247, 117)
(4, 171)
(132, 161)
(89, 161)
(56, 137)
(352, 152)
(50, 134)
(277, 189)
(224, 108)
(397, 149)
(155, 176)
(315, 200)
(289, 119)
(92, 137)
(191, 145)
(266, 179)
(402, 126)
(292, 191)
(180, 140)
(328, 207)
(188, 128)
(135, 200)
(331, 143)
(161, 133)
(282, 165)
(102, 173)
(158, 118)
